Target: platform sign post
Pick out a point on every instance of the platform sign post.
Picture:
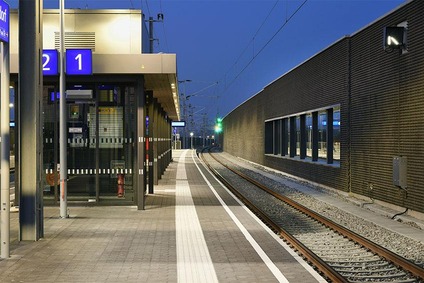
(5, 130)
(175, 125)
(63, 159)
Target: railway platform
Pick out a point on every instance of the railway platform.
(192, 230)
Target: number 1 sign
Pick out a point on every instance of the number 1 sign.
(79, 62)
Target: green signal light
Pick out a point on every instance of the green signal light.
(218, 129)
(218, 125)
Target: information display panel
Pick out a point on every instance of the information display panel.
(178, 124)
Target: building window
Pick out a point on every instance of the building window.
(277, 137)
(286, 123)
(314, 135)
(336, 133)
(309, 135)
(322, 134)
(269, 128)
(298, 136)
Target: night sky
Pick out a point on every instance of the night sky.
(231, 49)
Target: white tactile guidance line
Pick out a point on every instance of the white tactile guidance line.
(194, 263)
(268, 262)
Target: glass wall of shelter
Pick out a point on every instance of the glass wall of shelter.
(101, 129)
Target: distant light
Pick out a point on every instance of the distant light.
(335, 123)
(11, 105)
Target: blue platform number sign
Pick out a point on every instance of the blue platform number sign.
(79, 62)
(4, 21)
(50, 62)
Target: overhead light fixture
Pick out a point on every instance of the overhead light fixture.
(394, 38)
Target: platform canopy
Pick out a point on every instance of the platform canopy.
(159, 71)
(121, 54)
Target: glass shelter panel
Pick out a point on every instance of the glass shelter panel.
(50, 142)
(81, 158)
(114, 141)
(100, 151)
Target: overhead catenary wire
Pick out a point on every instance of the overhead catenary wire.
(227, 86)
(164, 29)
(253, 38)
(149, 14)
(147, 7)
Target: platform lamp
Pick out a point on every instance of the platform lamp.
(191, 140)
(394, 38)
(63, 119)
(184, 106)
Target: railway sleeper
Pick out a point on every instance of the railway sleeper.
(382, 278)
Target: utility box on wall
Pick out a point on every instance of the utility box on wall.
(399, 171)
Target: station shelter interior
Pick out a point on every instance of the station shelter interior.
(118, 116)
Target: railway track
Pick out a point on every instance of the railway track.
(338, 253)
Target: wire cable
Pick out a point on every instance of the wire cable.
(164, 30)
(266, 44)
(253, 38)
(147, 6)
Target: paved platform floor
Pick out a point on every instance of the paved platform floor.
(192, 230)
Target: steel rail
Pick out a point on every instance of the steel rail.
(397, 260)
(310, 256)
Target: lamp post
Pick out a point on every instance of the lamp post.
(62, 118)
(184, 106)
(191, 138)
(185, 97)
(175, 137)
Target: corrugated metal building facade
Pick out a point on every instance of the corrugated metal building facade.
(374, 100)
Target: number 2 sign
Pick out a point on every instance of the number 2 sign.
(79, 62)
(50, 62)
